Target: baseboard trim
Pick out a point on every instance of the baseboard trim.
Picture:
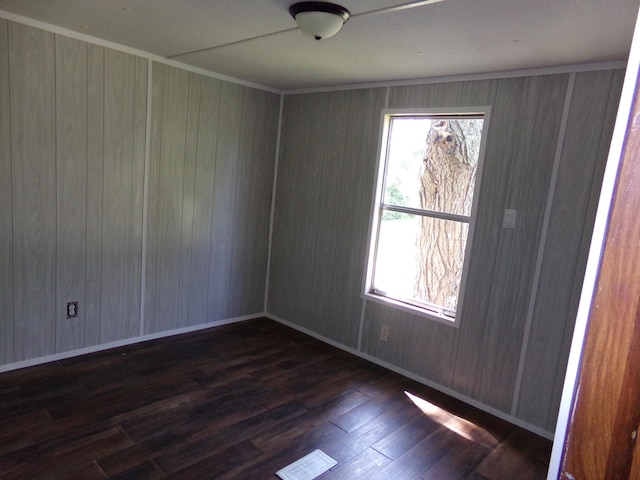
(120, 343)
(452, 393)
(130, 341)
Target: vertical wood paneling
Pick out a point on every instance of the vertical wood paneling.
(513, 122)
(329, 192)
(210, 180)
(347, 185)
(569, 227)
(264, 145)
(444, 344)
(494, 313)
(596, 184)
(71, 173)
(297, 201)
(414, 96)
(224, 230)
(116, 195)
(95, 195)
(171, 197)
(32, 73)
(139, 132)
(325, 183)
(478, 93)
(203, 199)
(511, 126)
(252, 196)
(168, 159)
(536, 188)
(119, 289)
(241, 196)
(153, 194)
(502, 342)
(506, 124)
(236, 218)
(415, 344)
(188, 201)
(6, 204)
(448, 94)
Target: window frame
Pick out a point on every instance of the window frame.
(435, 313)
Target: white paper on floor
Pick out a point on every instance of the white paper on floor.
(308, 467)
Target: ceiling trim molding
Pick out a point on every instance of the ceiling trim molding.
(529, 72)
(30, 22)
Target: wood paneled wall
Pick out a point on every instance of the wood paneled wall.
(77, 183)
(210, 185)
(75, 153)
(546, 148)
(572, 213)
(32, 143)
(7, 315)
(323, 198)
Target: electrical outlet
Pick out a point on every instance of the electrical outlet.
(509, 218)
(72, 309)
(384, 333)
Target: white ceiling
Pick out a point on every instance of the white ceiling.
(258, 42)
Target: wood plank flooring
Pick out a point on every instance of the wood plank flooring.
(240, 402)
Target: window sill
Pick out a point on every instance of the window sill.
(412, 309)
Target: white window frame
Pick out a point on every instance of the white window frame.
(435, 314)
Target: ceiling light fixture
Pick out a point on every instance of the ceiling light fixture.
(319, 20)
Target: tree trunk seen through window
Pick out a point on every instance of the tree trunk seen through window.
(447, 179)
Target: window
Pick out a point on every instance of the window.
(424, 211)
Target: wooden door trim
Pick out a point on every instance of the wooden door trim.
(600, 442)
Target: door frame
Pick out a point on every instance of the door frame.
(593, 320)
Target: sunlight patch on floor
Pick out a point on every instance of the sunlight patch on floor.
(462, 427)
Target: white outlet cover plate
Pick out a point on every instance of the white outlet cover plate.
(509, 219)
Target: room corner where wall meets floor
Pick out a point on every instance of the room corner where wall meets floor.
(243, 401)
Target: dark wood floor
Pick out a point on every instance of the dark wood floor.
(241, 402)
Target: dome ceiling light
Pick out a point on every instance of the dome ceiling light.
(319, 20)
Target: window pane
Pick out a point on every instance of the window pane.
(432, 163)
(395, 268)
(406, 149)
(442, 244)
(420, 259)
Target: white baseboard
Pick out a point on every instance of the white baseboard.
(119, 343)
(204, 326)
(452, 393)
